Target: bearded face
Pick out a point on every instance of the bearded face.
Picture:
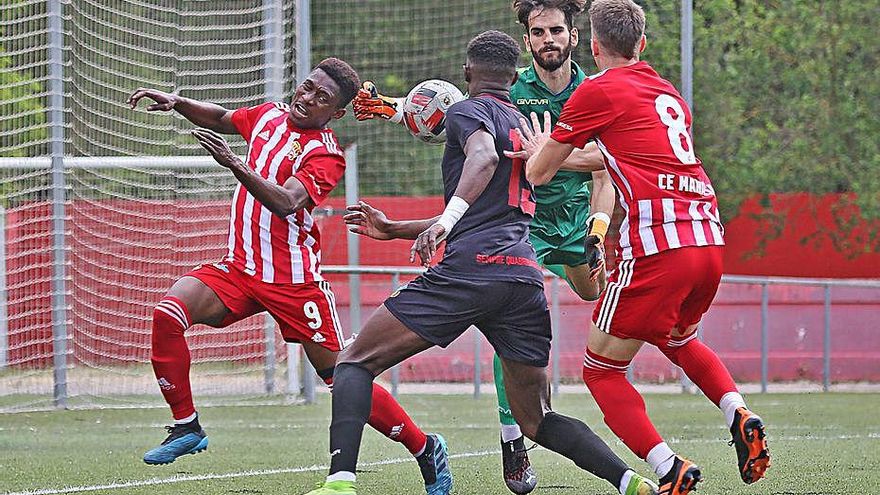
(549, 38)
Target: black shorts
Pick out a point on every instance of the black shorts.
(512, 315)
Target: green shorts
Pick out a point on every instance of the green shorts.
(557, 234)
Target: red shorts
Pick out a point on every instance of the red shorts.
(304, 312)
(649, 297)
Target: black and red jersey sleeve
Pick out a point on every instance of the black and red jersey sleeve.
(586, 113)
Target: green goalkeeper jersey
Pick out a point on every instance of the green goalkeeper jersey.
(530, 94)
(563, 204)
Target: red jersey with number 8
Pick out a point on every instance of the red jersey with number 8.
(642, 126)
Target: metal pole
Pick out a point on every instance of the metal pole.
(293, 380)
(826, 347)
(303, 68)
(59, 196)
(303, 40)
(273, 49)
(269, 331)
(765, 314)
(354, 241)
(554, 326)
(478, 337)
(687, 51)
(4, 327)
(395, 371)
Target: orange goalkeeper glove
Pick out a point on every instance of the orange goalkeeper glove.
(369, 104)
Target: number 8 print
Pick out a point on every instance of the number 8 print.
(312, 313)
(676, 128)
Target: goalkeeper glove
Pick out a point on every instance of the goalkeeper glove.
(594, 243)
(369, 104)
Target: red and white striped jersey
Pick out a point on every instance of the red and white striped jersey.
(642, 126)
(262, 244)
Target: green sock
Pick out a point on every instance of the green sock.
(503, 406)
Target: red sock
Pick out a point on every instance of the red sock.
(388, 418)
(170, 355)
(623, 407)
(703, 367)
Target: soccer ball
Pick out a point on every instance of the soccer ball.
(424, 110)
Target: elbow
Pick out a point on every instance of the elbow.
(291, 206)
(535, 178)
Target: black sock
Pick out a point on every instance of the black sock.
(352, 400)
(575, 440)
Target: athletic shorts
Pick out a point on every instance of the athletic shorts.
(558, 233)
(512, 315)
(647, 297)
(304, 312)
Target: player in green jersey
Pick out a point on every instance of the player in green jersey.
(567, 238)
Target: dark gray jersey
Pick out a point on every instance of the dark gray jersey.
(491, 240)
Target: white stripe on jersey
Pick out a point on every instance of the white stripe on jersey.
(669, 223)
(714, 222)
(264, 119)
(613, 164)
(246, 221)
(311, 145)
(265, 226)
(230, 241)
(258, 128)
(697, 224)
(649, 244)
(329, 143)
(626, 250)
(309, 243)
(296, 265)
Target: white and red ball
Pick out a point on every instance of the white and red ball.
(424, 110)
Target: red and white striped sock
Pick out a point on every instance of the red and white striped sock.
(170, 355)
(623, 407)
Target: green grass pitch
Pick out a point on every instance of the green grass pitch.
(820, 443)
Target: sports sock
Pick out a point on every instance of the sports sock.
(352, 400)
(621, 404)
(575, 440)
(388, 417)
(703, 367)
(624, 481)
(170, 355)
(509, 429)
(661, 459)
(729, 403)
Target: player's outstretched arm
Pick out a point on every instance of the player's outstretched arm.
(479, 166)
(369, 104)
(365, 220)
(535, 140)
(588, 159)
(201, 113)
(280, 200)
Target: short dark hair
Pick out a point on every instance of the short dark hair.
(618, 25)
(344, 76)
(494, 51)
(569, 8)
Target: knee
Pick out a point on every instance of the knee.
(170, 318)
(361, 358)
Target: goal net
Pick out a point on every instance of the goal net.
(143, 204)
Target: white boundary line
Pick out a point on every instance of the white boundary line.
(294, 470)
(213, 476)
